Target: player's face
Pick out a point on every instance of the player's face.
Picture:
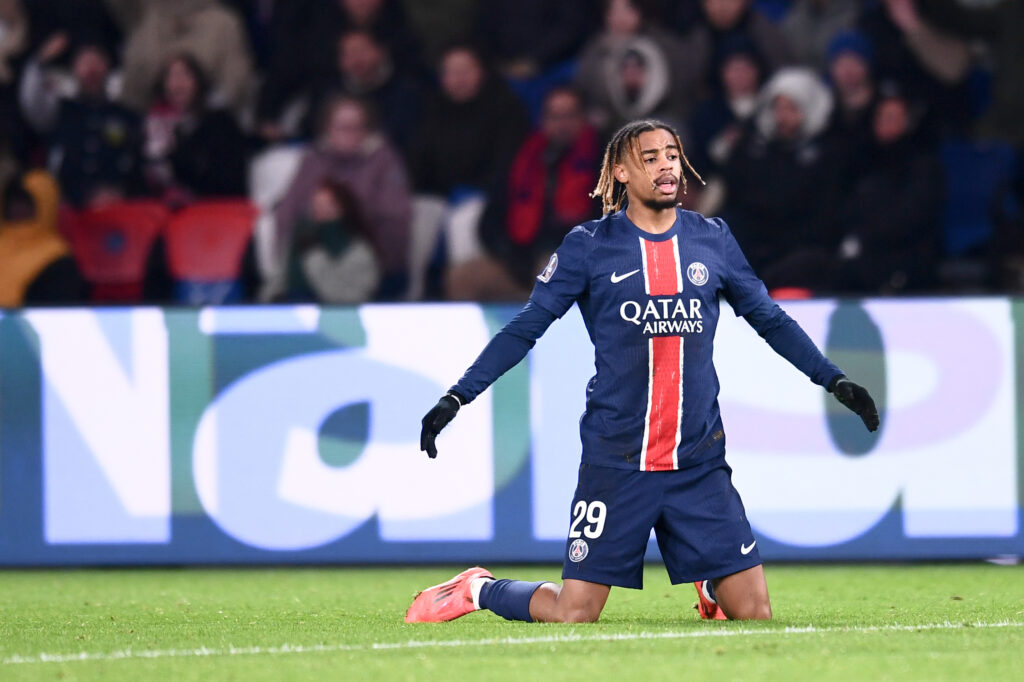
(655, 183)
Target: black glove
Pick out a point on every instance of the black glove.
(855, 398)
(438, 417)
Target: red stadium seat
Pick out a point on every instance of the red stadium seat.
(112, 246)
(206, 243)
(791, 294)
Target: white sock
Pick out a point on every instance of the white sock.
(474, 589)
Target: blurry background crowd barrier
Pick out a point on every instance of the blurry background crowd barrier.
(198, 448)
(345, 151)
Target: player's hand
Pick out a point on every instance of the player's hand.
(435, 420)
(857, 399)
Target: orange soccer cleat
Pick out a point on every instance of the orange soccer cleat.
(446, 601)
(706, 606)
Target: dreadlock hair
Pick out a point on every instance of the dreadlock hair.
(626, 141)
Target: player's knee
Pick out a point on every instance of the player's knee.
(579, 615)
(751, 611)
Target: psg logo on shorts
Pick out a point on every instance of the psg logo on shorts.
(578, 551)
(697, 273)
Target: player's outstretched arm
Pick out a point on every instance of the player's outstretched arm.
(505, 350)
(856, 398)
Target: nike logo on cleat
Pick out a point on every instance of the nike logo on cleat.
(616, 278)
(746, 549)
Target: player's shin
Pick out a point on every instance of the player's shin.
(510, 599)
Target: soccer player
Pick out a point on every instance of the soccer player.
(647, 279)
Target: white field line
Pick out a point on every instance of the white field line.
(571, 637)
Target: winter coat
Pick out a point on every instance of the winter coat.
(467, 144)
(378, 179)
(204, 29)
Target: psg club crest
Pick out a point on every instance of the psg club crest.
(549, 269)
(578, 551)
(697, 273)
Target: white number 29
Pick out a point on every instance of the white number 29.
(594, 513)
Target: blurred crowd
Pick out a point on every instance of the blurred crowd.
(440, 149)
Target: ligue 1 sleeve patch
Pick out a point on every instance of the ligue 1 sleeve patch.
(549, 269)
(697, 273)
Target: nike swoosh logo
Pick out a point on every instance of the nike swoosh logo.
(744, 549)
(618, 278)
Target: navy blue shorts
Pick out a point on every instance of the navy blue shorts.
(696, 514)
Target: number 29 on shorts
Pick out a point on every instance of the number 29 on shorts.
(594, 513)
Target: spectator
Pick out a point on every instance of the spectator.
(725, 18)
(36, 266)
(719, 120)
(304, 52)
(528, 37)
(1000, 25)
(13, 38)
(205, 29)
(546, 194)
(633, 69)
(932, 65)
(351, 151)
(79, 21)
(437, 23)
(850, 71)
(366, 70)
(192, 150)
(891, 221)
(13, 41)
(332, 258)
(468, 136)
(810, 26)
(781, 180)
(94, 143)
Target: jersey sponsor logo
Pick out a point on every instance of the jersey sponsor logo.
(747, 549)
(697, 273)
(616, 278)
(549, 269)
(664, 315)
(578, 551)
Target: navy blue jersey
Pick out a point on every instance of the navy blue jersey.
(650, 306)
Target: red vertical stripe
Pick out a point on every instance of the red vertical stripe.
(661, 267)
(662, 432)
(663, 277)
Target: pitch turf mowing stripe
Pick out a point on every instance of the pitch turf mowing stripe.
(571, 637)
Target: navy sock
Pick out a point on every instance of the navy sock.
(510, 599)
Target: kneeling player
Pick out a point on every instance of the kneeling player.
(653, 442)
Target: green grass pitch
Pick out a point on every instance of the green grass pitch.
(850, 622)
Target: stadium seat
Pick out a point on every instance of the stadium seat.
(978, 176)
(112, 246)
(206, 243)
(270, 175)
(791, 293)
